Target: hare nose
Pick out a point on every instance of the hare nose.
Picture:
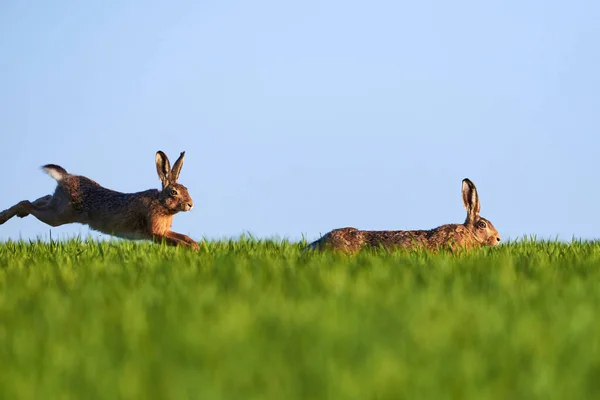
(190, 205)
(498, 238)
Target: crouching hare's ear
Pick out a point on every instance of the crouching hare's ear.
(483, 230)
(177, 168)
(470, 200)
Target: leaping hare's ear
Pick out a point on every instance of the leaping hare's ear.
(470, 199)
(163, 168)
(177, 168)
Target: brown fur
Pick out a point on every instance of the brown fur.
(142, 215)
(476, 231)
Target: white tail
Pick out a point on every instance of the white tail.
(55, 171)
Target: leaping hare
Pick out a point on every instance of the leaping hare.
(476, 231)
(142, 215)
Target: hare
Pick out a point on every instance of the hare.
(142, 215)
(476, 231)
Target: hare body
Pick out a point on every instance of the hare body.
(476, 231)
(137, 216)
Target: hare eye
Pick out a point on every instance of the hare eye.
(481, 225)
(173, 192)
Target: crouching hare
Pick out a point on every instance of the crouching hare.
(142, 215)
(476, 231)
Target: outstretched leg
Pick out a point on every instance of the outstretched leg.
(20, 210)
(174, 239)
(42, 202)
(191, 242)
(43, 209)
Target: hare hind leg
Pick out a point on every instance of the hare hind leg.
(47, 209)
(49, 215)
(20, 209)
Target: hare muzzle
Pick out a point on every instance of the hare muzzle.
(493, 238)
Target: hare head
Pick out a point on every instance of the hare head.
(482, 229)
(174, 196)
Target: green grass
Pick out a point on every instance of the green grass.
(252, 319)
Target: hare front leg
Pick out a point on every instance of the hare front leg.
(173, 240)
(191, 242)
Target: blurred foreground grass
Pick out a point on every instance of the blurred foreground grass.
(254, 319)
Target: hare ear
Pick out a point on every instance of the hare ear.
(163, 168)
(470, 199)
(177, 167)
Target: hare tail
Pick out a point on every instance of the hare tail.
(55, 171)
(313, 246)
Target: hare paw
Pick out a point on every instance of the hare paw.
(22, 209)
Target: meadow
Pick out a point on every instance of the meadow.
(252, 319)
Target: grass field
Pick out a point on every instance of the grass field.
(259, 320)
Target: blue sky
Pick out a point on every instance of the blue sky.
(301, 117)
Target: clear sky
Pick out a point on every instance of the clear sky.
(300, 117)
